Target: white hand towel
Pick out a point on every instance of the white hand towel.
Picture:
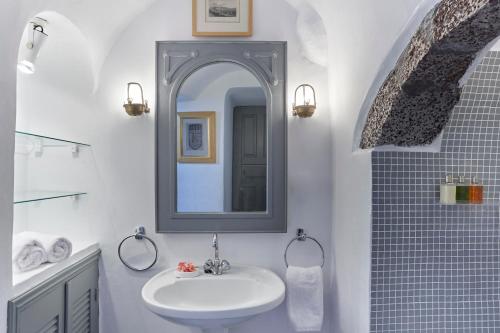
(27, 253)
(305, 298)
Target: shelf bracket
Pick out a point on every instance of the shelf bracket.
(38, 147)
(75, 150)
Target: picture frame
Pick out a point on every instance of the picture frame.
(196, 137)
(222, 18)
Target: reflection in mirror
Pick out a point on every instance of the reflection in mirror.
(221, 141)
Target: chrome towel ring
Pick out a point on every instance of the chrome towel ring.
(140, 233)
(301, 237)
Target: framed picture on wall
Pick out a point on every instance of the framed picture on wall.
(222, 18)
(197, 137)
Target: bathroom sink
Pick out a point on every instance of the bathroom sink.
(212, 302)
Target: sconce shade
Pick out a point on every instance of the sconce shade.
(28, 53)
(302, 106)
(135, 109)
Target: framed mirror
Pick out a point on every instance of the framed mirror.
(221, 133)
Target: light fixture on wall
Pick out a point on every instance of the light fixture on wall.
(29, 51)
(135, 109)
(304, 103)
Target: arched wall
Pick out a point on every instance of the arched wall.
(10, 34)
(360, 35)
(469, 148)
(129, 168)
(430, 257)
(82, 17)
(359, 40)
(414, 102)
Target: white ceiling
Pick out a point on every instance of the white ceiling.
(99, 21)
(102, 21)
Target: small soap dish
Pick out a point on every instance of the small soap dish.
(184, 275)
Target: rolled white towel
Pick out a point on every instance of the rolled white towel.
(27, 252)
(57, 248)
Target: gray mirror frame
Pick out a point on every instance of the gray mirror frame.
(175, 62)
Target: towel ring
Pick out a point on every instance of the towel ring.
(140, 233)
(301, 237)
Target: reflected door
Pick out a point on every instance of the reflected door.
(249, 159)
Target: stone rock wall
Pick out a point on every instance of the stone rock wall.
(415, 102)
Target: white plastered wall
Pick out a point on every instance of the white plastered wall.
(360, 35)
(128, 160)
(10, 32)
(13, 17)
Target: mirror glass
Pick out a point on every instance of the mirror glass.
(221, 141)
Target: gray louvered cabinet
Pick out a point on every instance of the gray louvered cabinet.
(45, 314)
(65, 303)
(82, 302)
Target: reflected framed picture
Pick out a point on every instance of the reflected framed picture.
(196, 137)
(222, 18)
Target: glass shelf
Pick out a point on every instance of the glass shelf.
(27, 142)
(33, 196)
(48, 138)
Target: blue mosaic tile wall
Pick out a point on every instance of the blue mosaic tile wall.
(436, 268)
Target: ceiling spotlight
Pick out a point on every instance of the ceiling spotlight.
(29, 51)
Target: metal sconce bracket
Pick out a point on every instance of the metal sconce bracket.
(304, 110)
(135, 109)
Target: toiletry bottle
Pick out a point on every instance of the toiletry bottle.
(475, 192)
(448, 191)
(462, 191)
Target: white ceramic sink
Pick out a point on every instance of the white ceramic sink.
(211, 302)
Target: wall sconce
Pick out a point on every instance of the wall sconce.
(29, 52)
(302, 106)
(135, 109)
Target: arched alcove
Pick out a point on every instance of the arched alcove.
(55, 101)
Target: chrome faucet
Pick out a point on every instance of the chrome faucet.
(216, 266)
